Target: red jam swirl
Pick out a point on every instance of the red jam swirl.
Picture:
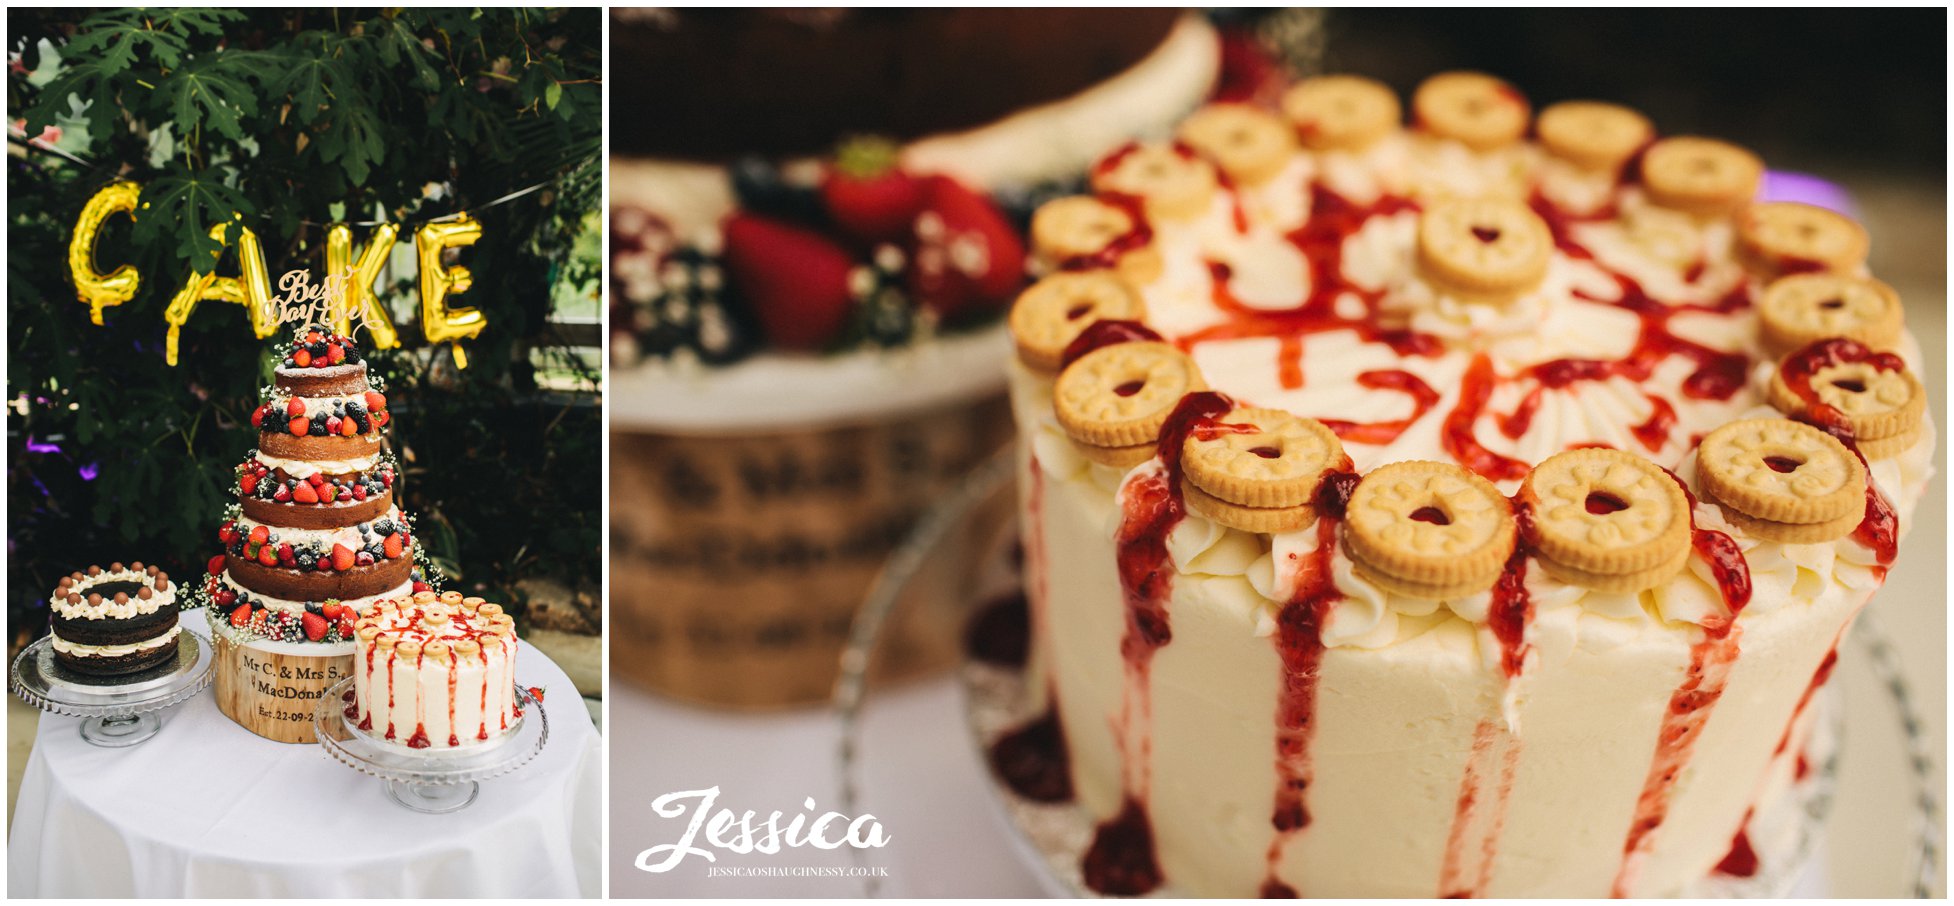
(1103, 333)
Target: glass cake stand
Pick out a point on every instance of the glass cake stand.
(116, 711)
(878, 727)
(435, 781)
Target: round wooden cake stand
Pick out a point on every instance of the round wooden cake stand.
(435, 781)
(116, 710)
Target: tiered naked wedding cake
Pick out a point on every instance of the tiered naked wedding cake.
(314, 538)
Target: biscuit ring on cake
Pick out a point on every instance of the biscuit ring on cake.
(1052, 313)
(1593, 135)
(1480, 111)
(1802, 309)
(1700, 175)
(1174, 184)
(1785, 235)
(1278, 462)
(1341, 112)
(1778, 470)
(1611, 520)
(1428, 529)
(1257, 519)
(1484, 247)
(1884, 407)
(1793, 533)
(1081, 227)
(1249, 145)
(1120, 395)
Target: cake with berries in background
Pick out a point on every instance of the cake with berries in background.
(114, 621)
(808, 288)
(434, 671)
(317, 531)
(1473, 506)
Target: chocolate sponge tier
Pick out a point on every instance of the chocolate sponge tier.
(709, 84)
(111, 631)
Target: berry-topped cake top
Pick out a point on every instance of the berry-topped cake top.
(317, 348)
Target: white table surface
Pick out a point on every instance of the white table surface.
(205, 808)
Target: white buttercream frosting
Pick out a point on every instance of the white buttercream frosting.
(108, 609)
(66, 647)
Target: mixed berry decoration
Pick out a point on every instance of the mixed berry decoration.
(382, 539)
(865, 252)
(319, 622)
(316, 346)
(255, 479)
(345, 417)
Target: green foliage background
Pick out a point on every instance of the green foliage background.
(295, 119)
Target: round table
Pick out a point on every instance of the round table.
(207, 809)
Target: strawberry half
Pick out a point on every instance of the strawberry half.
(241, 615)
(867, 196)
(342, 557)
(796, 279)
(968, 258)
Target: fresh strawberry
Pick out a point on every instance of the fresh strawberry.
(346, 623)
(391, 546)
(268, 555)
(311, 337)
(967, 256)
(247, 483)
(379, 418)
(867, 196)
(298, 426)
(348, 427)
(796, 280)
(241, 615)
(375, 401)
(294, 407)
(260, 534)
(536, 692)
(216, 565)
(302, 358)
(227, 533)
(335, 354)
(327, 493)
(420, 586)
(315, 625)
(305, 493)
(342, 557)
(224, 597)
(332, 609)
(258, 415)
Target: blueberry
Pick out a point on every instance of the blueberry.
(311, 607)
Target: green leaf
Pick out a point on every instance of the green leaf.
(552, 95)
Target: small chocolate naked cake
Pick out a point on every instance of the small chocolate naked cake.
(114, 621)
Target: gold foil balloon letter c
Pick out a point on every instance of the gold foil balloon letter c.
(439, 322)
(97, 289)
(361, 304)
(251, 289)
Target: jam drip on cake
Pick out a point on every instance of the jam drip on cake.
(1710, 661)
(1121, 859)
(1299, 640)
(1508, 615)
(1879, 531)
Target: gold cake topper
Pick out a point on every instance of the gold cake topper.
(304, 302)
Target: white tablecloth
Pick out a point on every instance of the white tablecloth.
(207, 809)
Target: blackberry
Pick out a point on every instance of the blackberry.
(306, 560)
(761, 190)
(318, 429)
(352, 356)
(383, 525)
(355, 407)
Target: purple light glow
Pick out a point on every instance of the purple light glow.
(1781, 185)
(88, 472)
(36, 447)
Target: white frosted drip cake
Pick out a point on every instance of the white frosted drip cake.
(1468, 509)
(434, 671)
